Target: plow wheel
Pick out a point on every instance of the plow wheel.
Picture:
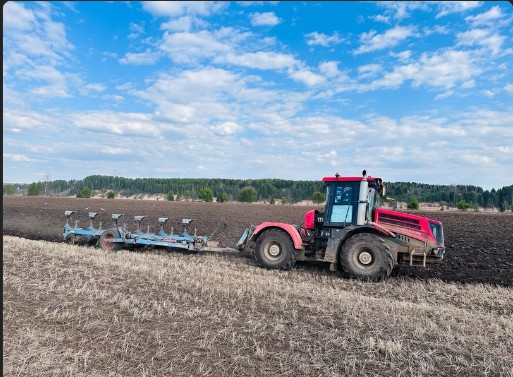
(366, 257)
(105, 239)
(274, 249)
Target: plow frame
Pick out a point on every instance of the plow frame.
(124, 237)
(90, 233)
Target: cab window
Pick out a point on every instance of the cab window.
(342, 208)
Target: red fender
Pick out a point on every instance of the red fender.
(290, 229)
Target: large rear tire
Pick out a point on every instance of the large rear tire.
(105, 243)
(274, 250)
(366, 257)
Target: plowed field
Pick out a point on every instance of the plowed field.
(479, 245)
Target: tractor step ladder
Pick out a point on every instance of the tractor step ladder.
(416, 252)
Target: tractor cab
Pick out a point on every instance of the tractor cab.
(349, 201)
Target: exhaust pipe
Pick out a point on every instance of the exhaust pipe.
(363, 200)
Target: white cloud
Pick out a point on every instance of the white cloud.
(449, 7)
(402, 56)
(381, 18)
(114, 150)
(51, 91)
(33, 32)
(35, 47)
(509, 88)
(477, 159)
(56, 82)
(264, 19)
(16, 16)
(400, 9)
(442, 70)
(436, 29)
(185, 23)
(489, 93)
(329, 69)
(481, 37)
(27, 120)
(212, 96)
(446, 94)
(32, 45)
(371, 41)
(226, 128)
(179, 8)
(56, 38)
(136, 31)
(252, 3)
(261, 60)
(115, 98)
(186, 47)
(488, 18)
(16, 157)
(91, 87)
(117, 123)
(125, 86)
(42, 72)
(191, 85)
(320, 39)
(505, 149)
(143, 58)
(369, 70)
(195, 96)
(307, 77)
(468, 84)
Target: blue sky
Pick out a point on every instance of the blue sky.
(409, 91)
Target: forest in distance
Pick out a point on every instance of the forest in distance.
(290, 191)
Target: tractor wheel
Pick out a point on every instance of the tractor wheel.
(274, 250)
(366, 257)
(109, 246)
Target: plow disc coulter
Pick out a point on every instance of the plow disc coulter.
(120, 237)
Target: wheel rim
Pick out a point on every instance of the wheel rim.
(365, 258)
(272, 250)
(106, 242)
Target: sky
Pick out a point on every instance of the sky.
(409, 91)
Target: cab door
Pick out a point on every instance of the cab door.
(342, 204)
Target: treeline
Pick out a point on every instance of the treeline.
(266, 189)
(451, 195)
(188, 188)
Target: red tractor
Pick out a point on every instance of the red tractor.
(353, 233)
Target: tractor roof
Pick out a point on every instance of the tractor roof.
(348, 179)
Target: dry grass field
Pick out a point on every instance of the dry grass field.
(71, 310)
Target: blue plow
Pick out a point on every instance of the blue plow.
(120, 237)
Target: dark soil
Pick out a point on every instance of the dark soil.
(479, 245)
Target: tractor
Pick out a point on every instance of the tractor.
(354, 234)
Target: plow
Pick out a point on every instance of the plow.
(119, 236)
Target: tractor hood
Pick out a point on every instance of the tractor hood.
(419, 227)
